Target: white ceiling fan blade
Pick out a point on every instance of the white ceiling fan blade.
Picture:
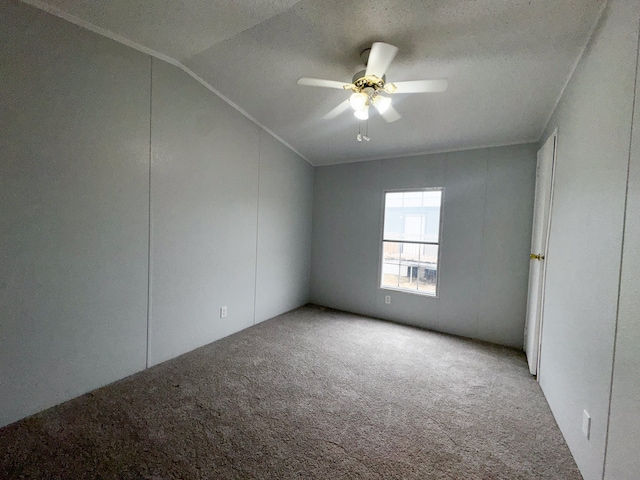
(338, 110)
(380, 57)
(390, 115)
(422, 86)
(319, 82)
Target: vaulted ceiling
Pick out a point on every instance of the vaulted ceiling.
(507, 62)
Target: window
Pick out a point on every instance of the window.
(411, 241)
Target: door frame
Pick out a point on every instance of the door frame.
(539, 318)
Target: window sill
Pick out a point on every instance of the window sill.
(411, 292)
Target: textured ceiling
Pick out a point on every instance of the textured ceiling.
(506, 60)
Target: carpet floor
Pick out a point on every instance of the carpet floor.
(314, 393)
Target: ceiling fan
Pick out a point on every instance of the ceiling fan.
(369, 85)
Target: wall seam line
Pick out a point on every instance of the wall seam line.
(255, 282)
(149, 213)
(592, 31)
(311, 229)
(482, 243)
(445, 166)
(377, 280)
(104, 32)
(624, 227)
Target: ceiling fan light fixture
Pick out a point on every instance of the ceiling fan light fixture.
(358, 101)
(381, 103)
(362, 114)
(367, 87)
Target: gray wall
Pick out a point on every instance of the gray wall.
(284, 230)
(583, 263)
(225, 197)
(486, 234)
(623, 446)
(77, 138)
(204, 208)
(73, 224)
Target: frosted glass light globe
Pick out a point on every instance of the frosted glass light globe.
(381, 103)
(358, 100)
(362, 114)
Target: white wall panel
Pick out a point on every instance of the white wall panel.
(583, 263)
(204, 207)
(475, 251)
(506, 243)
(623, 444)
(347, 217)
(462, 230)
(398, 174)
(284, 230)
(74, 165)
(75, 113)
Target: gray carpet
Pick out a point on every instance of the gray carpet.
(314, 393)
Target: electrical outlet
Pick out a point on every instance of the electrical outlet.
(387, 299)
(586, 424)
(223, 311)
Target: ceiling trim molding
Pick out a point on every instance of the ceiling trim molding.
(428, 152)
(574, 67)
(208, 86)
(99, 30)
(160, 56)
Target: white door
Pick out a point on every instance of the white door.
(539, 236)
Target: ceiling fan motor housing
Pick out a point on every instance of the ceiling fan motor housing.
(367, 85)
(361, 81)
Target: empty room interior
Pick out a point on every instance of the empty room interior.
(314, 239)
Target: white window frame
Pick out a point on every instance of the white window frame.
(439, 243)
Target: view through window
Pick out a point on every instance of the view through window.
(411, 240)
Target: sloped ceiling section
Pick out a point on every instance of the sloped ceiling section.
(506, 61)
(178, 29)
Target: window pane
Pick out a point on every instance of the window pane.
(431, 198)
(391, 252)
(390, 275)
(409, 275)
(411, 234)
(410, 266)
(390, 264)
(412, 199)
(412, 216)
(429, 254)
(428, 270)
(394, 199)
(410, 251)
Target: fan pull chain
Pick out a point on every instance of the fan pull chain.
(364, 137)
